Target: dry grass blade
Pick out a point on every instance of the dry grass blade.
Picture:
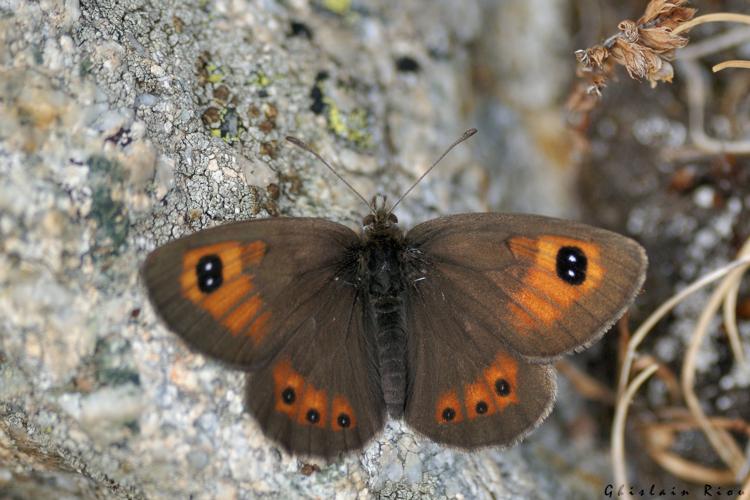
(727, 17)
(730, 316)
(586, 385)
(723, 443)
(660, 437)
(618, 426)
(731, 64)
(664, 373)
(697, 88)
(662, 311)
(745, 490)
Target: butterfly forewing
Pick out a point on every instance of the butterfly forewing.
(234, 292)
(539, 286)
(279, 297)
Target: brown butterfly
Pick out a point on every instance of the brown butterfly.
(451, 325)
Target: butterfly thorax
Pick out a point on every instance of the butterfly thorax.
(382, 278)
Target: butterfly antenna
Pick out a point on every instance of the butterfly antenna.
(307, 148)
(461, 139)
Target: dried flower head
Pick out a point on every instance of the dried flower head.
(644, 47)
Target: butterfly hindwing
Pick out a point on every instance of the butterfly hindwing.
(326, 394)
(460, 392)
(279, 297)
(539, 286)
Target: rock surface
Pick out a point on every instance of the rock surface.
(126, 124)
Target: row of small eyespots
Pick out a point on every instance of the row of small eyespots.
(502, 388)
(288, 396)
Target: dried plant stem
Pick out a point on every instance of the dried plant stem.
(695, 82)
(667, 306)
(721, 441)
(586, 385)
(724, 445)
(618, 426)
(727, 17)
(746, 490)
(730, 313)
(688, 423)
(690, 471)
(731, 64)
(714, 44)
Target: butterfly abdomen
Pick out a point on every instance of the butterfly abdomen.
(385, 289)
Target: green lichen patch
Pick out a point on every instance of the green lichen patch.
(351, 126)
(108, 209)
(261, 79)
(209, 72)
(340, 7)
(224, 123)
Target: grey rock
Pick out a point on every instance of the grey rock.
(126, 124)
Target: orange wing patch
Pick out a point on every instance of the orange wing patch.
(492, 392)
(259, 328)
(313, 406)
(478, 399)
(306, 404)
(230, 255)
(342, 414)
(502, 377)
(449, 409)
(542, 296)
(240, 317)
(288, 385)
(232, 301)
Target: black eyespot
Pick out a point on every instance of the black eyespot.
(502, 387)
(313, 416)
(344, 420)
(481, 407)
(571, 265)
(288, 395)
(449, 414)
(209, 274)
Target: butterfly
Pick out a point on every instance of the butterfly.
(451, 326)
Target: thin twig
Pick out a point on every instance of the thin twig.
(664, 373)
(728, 17)
(734, 63)
(618, 427)
(714, 44)
(662, 311)
(724, 445)
(660, 439)
(585, 384)
(730, 309)
(745, 489)
(695, 82)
